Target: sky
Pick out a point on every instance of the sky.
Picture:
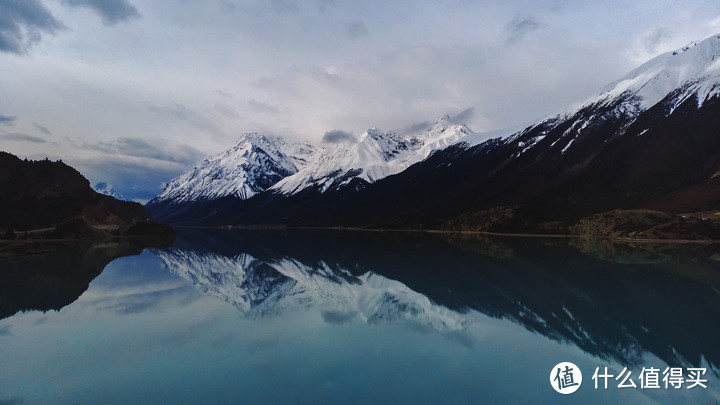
(134, 93)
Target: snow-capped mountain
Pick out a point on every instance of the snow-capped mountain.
(253, 164)
(108, 189)
(649, 140)
(257, 163)
(375, 156)
(692, 71)
(259, 288)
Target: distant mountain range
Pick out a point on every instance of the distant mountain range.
(109, 189)
(258, 164)
(650, 141)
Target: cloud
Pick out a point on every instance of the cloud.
(417, 127)
(191, 117)
(227, 6)
(338, 136)
(391, 90)
(135, 166)
(7, 120)
(463, 116)
(18, 137)
(22, 23)
(262, 107)
(519, 27)
(226, 110)
(399, 73)
(284, 6)
(323, 5)
(302, 80)
(111, 11)
(136, 147)
(138, 178)
(41, 128)
(656, 37)
(356, 30)
(224, 94)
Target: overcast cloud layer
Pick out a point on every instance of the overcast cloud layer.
(133, 93)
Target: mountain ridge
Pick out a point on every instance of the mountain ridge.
(250, 166)
(641, 144)
(259, 163)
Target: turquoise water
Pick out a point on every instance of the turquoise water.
(355, 317)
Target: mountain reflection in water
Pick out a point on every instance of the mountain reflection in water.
(320, 316)
(55, 277)
(613, 300)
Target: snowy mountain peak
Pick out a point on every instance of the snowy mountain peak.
(443, 126)
(253, 164)
(377, 155)
(692, 44)
(373, 133)
(257, 162)
(694, 67)
(666, 81)
(108, 189)
(442, 120)
(259, 140)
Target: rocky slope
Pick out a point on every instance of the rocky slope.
(42, 199)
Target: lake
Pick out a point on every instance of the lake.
(300, 316)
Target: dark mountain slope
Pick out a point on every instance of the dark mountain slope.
(45, 194)
(611, 164)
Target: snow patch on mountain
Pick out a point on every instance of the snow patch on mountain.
(692, 71)
(108, 189)
(257, 163)
(694, 68)
(377, 155)
(252, 165)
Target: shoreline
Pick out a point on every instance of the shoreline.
(30, 247)
(446, 231)
(358, 229)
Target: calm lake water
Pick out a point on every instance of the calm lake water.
(355, 317)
